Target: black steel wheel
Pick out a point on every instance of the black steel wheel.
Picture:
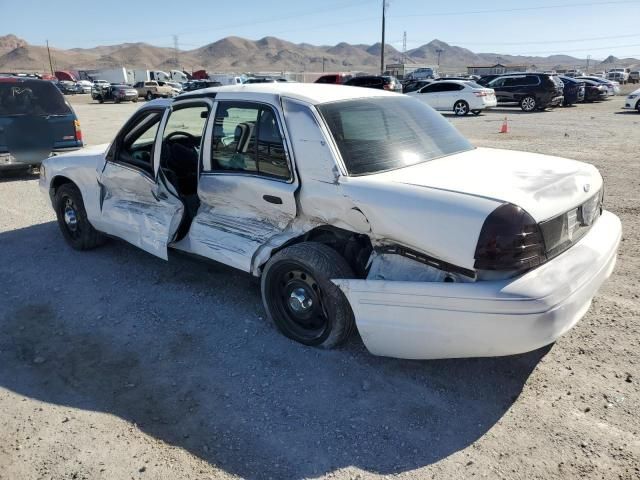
(301, 299)
(72, 219)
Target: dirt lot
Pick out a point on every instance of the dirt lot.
(117, 365)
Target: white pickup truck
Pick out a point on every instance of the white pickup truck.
(357, 208)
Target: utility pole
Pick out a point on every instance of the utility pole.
(175, 50)
(588, 61)
(50, 62)
(384, 12)
(323, 60)
(439, 52)
(404, 48)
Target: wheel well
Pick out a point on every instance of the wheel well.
(57, 182)
(354, 247)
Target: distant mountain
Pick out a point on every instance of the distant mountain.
(266, 54)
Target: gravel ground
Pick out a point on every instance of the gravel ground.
(117, 365)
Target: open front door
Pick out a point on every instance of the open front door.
(137, 204)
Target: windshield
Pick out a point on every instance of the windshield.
(385, 133)
(31, 97)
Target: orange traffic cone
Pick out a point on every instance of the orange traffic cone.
(505, 126)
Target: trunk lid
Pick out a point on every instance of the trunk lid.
(545, 186)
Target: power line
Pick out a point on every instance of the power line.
(542, 42)
(519, 9)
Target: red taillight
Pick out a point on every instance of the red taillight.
(387, 86)
(480, 94)
(510, 240)
(76, 124)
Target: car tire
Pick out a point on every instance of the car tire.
(73, 221)
(135, 100)
(638, 106)
(461, 108)
(149, 96)
(300, 298)
(476, 112)
(116, 100)
(528, 103)
(100, 100)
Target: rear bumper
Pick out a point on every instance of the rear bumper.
(9, 162)
(423, 320)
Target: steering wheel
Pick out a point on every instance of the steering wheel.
(180, 133)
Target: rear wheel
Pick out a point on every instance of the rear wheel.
(528, 104)
(638, 106)
(301, 299)
(72, 219)
(100, 100)
(461, 108)
(149, 96)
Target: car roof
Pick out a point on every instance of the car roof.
(314, 93)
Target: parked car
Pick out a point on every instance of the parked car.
(634, 76)
(334, 78)
(574, 73)
(114, 93)
(100, 83)
(423, 73)
(179, 87)
(532, 91)
(457, 96)
(384, 82)
(633, 101)
(253, 80)
(413, 85)
(152, 89)
(199, 84)
(594, 91)
(66, 87)
(35, 121)
(83, 86)
(486, 79)
(330, 196)
(613, 88)
(573, 91)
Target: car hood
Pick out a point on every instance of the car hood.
(635, 92)
(543, 185)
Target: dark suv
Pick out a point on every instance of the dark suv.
(532, 91)
(384, 82)
(35, 120)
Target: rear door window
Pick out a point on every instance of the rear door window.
(31, 97)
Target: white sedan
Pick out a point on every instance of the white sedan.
(632, 101)
(457, 96)
(357, 208)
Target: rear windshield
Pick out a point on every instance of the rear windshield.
(31, 97)
(379, 134)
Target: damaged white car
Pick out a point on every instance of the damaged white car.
(357, 208)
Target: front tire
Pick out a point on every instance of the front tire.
(461, 108)
(638, 106)
(72, 219)
(100, 100)
(300, 298)
(149, 96)
(528, 104)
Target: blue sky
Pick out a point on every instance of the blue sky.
(544, 27)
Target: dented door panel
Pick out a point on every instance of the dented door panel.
(237, 216)
(137, 209)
